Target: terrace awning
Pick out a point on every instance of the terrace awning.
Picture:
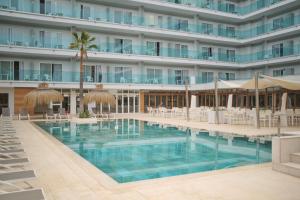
(284, 83)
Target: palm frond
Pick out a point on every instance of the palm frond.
(74, 45)
(93, 46)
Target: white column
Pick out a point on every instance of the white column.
(73, 102)
(117, 111)
(134, 103)
(141, 40)
(128, 103)
(101, 108)
(122, 102)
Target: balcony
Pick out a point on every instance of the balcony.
(150, 23)
(226, 7)
(149, 53)
(128, 77)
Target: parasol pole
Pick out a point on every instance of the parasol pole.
(257, 100)
(187, 100)
(216, 99)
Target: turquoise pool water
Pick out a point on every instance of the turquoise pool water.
(131, 150)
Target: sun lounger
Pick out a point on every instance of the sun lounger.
(10, 149)
(11, 143)
(13, 161)
(17, 175)
(34, 194)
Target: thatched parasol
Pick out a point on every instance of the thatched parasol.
(42, 96)
(100, 96)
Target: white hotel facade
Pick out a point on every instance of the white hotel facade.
(146, 48)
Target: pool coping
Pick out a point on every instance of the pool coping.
(109, 183)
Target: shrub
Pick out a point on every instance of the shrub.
(84, 114)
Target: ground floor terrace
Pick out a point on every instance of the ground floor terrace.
(139, 100)
(64, 174)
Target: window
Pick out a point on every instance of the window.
(123, 75)
(153, 48)
(181, 76)
(277, 50)
(184, 25)
(49, 72)
(118, 17)
(85, 12)
(230, 31)
(283, 72)
(207, 28)
(160, 21)
(290, 19)
(42, 6)
(58, 41)
(123, 46)
(207, 53)
(5, 70)
(181, 51)
(57, 72)
(289, 48)
(184, 51)
(48, 7)
(154, 76)
(206, 77)
(277, 23)
(226, 76)
(230, 55)
(14, 4)
(230, 8)
(128, 18)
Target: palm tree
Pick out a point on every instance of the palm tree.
(83, 43)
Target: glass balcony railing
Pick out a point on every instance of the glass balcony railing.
(131, 19)
(182, 52)
(226, 7)
(74, 77)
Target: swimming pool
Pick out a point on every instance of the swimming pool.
(130, 150)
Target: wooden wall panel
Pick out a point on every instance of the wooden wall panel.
(19, 99)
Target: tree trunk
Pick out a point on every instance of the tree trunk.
(81, 108)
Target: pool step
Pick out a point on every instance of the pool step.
(295, 158)
(291, 168)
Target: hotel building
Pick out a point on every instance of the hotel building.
(146, 48)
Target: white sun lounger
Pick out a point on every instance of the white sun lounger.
(13, 161)
(34, 194)
(17, 175)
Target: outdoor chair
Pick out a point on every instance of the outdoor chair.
(5, 112)
(62, 114)
(24, 114)
(50, 114)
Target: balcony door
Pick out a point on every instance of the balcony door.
(85, 12)
(5, 70)
(123, 75)
(44, 39)
(277, 50)
(93, 73)
(50, 72)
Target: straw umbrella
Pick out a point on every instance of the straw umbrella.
(99, 96)
(42, 96)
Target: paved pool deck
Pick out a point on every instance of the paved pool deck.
(65, 175)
